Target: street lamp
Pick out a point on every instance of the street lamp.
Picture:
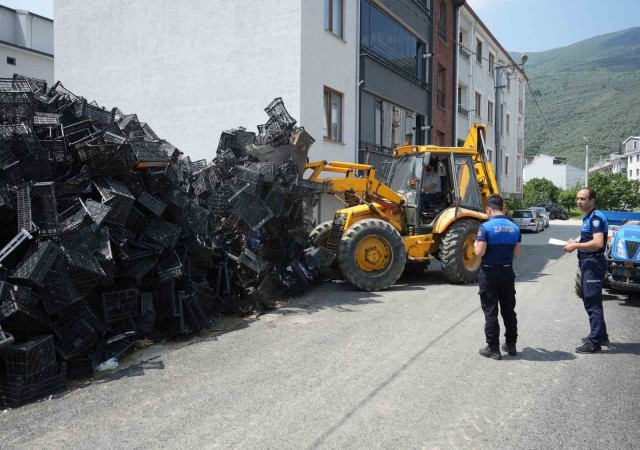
(586, 161)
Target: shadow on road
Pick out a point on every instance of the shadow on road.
(533, 259)
(630, 348)
(632, 300)
(541, 354)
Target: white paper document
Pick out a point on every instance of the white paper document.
(554, 241)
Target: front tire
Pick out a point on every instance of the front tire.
(320, 234)
(459, 263)
(372, 255)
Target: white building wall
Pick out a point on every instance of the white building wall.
(476, 77)
(564, 176)
(633, 165)
(189, 70)
(330, 61)
(31, 37)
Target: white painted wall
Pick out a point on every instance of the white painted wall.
(29, 32)
(328, 60)
(478, 78)
(564, 176)
(633, 165)
(190, 70)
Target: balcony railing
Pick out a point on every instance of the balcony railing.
(442, 99)
(463, 111)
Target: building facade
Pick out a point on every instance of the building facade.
(556, 170)
(395, 97)
(26, 45)
(491, 90)
(362, 76)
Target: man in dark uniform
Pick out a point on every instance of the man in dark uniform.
(593, 267)
(498, 242)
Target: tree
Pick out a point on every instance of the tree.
(615, 192)
(568, 198)
(539, 190)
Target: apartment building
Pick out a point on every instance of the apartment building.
(491, 90)
(362, 76)
(26, 44)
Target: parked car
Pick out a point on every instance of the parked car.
(528, 220)
(555, 211)
(543, 212)
(623, 253)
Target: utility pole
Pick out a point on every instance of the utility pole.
(498, 121)
(586, 161)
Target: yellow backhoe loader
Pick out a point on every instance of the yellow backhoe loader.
(385, 227)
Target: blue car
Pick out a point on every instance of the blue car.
(623, 253)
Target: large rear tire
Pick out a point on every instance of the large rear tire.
(459, 263)
(372, 255)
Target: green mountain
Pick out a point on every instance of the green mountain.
(592, 89)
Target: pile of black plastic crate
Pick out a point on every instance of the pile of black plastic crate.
(109, 234)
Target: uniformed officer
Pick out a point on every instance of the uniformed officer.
(593, 267)
(498, 242)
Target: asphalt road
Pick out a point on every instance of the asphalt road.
(339, 368)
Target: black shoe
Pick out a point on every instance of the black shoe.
(605, 342)
(588, 348)
(510, 349)
(488, 352)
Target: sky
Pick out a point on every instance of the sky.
(519, 25)
(538, 25)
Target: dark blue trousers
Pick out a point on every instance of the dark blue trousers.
(498, 293)
(593, 270)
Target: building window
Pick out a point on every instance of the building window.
(479, 51)
(637, 172)
(333, 17)
(478, 104)
(11, 61)
(490, 155)
(502, 118)
(332, 115)
(462, 101)
(637, 158)
(442, 21)
(388, 41)
(508, 83)
(492, 63)
(508, 124)
(635, 143)
(440, 139)
(442, 87)
(490, 111)
(630, 173)
(506, 165)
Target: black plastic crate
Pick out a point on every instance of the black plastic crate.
(82, 366)
(37, 265)
(119, 305)
(139, 269)
(151, 204)
(20, 308)
(95, 113)
(288, 173)
(20, 242)
(16, 107)
(170, 267)
(12, 174)
(162, 232)
(196, 218)
(306, 188)
(44, 208)
(58, 290)
(149, 155)
(23, 210)
(277, 200)
(277, 110)
(29, 359)
(251, 210)
(18, 393)
(75, 338)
